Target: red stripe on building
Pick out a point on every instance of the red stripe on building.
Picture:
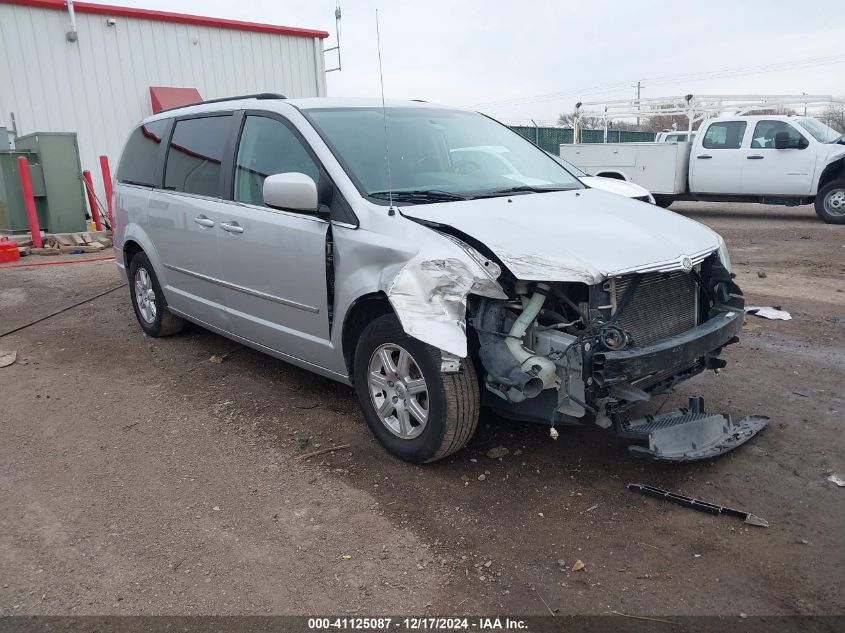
(167, 16)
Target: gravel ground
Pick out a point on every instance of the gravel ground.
(138, 477)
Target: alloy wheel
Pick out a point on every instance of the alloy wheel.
(145, 295)
(398, 391)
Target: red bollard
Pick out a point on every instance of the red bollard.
(29, 202)
(92, 200)
(104, 167)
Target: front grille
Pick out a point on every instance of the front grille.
(663, 305)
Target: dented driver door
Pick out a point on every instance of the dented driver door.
(273, 262)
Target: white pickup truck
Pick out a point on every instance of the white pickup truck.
(672, 136)
(769, 159)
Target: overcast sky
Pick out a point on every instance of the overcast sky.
(542, 57)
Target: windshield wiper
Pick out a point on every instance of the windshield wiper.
(519, 189)
(418, 196)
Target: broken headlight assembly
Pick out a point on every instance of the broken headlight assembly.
(723, 255)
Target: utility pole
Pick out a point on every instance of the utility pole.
(639, 87)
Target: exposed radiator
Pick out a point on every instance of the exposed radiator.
(664, 304)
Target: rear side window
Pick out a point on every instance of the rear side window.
(139, 163)
(725, 135)
(195, 155)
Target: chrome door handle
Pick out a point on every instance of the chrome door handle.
(703, 156)
(231, 227)
(755, 157)
(203, 221)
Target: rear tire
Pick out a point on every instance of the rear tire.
(148, 300)
(398, 381)
(830, 202)
(663, 201)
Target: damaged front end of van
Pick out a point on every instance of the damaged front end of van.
(558, 340)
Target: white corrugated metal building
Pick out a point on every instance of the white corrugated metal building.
(97, 81)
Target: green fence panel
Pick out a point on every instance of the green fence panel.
(548, 138)
(631, 136)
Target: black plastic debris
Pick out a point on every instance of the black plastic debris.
(697, 504)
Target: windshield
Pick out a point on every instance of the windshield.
(570, 167)
(821, 132)
(436, 155)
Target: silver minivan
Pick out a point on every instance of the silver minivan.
(432, 258)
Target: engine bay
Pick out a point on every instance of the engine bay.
(555, 352)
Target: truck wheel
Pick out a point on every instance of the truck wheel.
(830, 202)
(663, 201)
(148, 300)
(417, 413)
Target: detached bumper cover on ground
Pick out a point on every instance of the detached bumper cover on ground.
(684, 435)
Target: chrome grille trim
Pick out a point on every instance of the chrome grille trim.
(663, 305)
(666, 266)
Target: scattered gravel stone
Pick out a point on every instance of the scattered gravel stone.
(497, 452)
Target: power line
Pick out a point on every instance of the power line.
(668, 79)
(819, 61)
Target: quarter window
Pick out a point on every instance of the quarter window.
(764, 135)
(139, 164)
(268, 147)
(195, 155)
(725, 135)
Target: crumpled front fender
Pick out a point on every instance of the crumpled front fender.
(429, 295)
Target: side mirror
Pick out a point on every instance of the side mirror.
(782, 140)
(291, 190)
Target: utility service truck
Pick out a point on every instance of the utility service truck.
(762, 158)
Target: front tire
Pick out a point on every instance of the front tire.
(830, 202)
(416, 412)
(148, 300)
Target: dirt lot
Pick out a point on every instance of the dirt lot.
(136, 476)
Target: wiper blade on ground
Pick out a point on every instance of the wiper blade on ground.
(519, 189)
(418, 196)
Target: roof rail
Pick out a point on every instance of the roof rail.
(258, 95)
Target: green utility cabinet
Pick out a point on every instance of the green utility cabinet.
(58, 154)
(56, 183)
(12, 209)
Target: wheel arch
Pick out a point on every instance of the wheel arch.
(135, 240)
(615, 175)
(832, 171)
(361, 312)
(130, 249)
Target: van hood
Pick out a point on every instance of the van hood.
(585, 235)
